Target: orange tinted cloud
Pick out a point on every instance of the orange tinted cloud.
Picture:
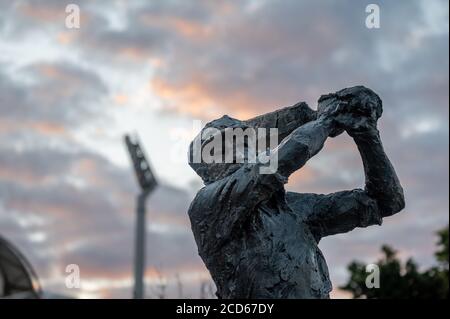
(49, 70)
(48, 13)
(55, 72)
(133, 53)
(197, 100)
(48, 128)
(191, 29)
(120, 99)
(188, 28)
(189, 99)
(27, 177)
(90, 172)
(44, 128)
(66, 37)
(100, 284)
(42, 13)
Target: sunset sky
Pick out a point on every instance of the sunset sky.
(67, 97)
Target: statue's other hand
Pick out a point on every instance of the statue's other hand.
(359, 116)
(355, 110)
(356, 124)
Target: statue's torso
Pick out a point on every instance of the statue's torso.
(272, 255)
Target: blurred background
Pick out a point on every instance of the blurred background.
(67, 97)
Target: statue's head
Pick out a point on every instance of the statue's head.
(226, 144)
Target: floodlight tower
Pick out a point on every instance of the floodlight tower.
(147, 183)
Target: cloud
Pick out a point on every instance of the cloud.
(84, 207)
(55, 94)
(310, 50)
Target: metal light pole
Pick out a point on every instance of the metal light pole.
(147, 183)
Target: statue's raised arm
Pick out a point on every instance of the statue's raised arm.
(258, 241)
(382, 195)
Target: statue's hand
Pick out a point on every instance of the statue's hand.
(356, 124)
(355, 110)
(358, 118)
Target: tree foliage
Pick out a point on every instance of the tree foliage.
(403, 280)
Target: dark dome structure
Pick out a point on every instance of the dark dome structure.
(17, 277)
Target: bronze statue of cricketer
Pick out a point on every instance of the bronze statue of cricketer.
(259, 241)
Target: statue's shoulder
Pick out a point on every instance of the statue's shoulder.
(204, 200)
(302, 203)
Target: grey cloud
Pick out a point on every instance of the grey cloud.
(91, 226)
(294, 44)
(60, 93)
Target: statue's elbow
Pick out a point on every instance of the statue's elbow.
(396, 203)
(399, 203)
(401, 197)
